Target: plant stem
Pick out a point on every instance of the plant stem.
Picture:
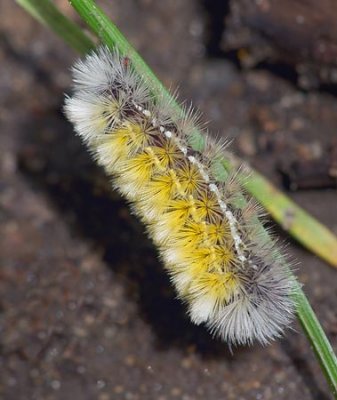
(317, 338)
(46, 13)
(293, 219)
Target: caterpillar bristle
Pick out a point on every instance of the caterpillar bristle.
(224, 267)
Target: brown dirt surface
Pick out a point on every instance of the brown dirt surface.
(297, 34)
(86, 311)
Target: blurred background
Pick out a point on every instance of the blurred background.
(86, 311)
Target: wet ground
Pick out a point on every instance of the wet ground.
(86, 311)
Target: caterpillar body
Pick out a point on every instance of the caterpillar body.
(229, 276)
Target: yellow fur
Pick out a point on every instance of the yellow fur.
(170, 194)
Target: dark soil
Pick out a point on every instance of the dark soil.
(86, 311)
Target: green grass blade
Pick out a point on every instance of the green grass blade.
(46, 13)
(318, 340)
(293, 219)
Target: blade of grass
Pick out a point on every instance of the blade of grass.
(293, 219)
(46, 13)
(318, 340)
(112, 37)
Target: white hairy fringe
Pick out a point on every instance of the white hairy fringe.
(265, 307)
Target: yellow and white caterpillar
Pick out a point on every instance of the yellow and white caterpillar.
(229, 276)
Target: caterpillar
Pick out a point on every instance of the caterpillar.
(230, 276)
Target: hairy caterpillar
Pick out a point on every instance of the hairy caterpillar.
(228, 275)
